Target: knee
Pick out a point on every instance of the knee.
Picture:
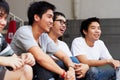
(28, 72)
(93, 70)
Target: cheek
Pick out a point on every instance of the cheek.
(100, 32)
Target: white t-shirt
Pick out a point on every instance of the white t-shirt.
(63, 46)
(98, 51)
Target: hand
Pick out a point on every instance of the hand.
(14, 62)
(81, 69)
(114, 63)
(70, 75)
(28, 59)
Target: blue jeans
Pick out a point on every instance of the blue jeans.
(94, 73)
(97, 73)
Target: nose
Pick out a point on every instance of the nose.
(51, 20)
(64, 25)
(3, 22)
(98, 31)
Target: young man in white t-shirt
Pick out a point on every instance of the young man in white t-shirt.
(92, 51)
(57, 31)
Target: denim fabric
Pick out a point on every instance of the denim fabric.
(41, 73)
(95, 73)
(74, 59)
(118, 73)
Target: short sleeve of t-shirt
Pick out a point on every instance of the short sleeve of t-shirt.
(63, 46)
(104, 51)
(98, 51)
(5, 49)
(77, 47)
(23, 40)
(47, 45)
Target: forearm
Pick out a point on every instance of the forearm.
(2, 61)
(96, 62)
(68, 62)
(92, 62)
(49, 64)
(65, 58)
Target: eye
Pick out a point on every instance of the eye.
(92, 27)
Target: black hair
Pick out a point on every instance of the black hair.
(4, 7)
(85, 24)
(57, 14)
(38, 8)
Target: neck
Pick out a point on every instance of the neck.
(53, 37)
(36, 32)
(89, 42)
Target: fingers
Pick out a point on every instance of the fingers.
(16, 63)
(81, 69)
(70, 74)
(28, 59)
(79, 76)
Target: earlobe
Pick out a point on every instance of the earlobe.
(36, 17)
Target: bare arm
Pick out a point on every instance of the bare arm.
(12, 61)
(44, 60)
(62, 56)
(83, 59)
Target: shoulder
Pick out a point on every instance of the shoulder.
(24, 31)
(61, 42)
(99, 42)
(44, 36)
(78, 40)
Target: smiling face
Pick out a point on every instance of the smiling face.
(3, 20)
(94, 32)
(45, 22)
(59, 26)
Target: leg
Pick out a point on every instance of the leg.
(95, 73)
(107, 74)
(92, 74)
(24, 73)
(41, 73)
(62, 65)
(2, 72)
(74, 59)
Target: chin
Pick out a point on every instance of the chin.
(47, 31)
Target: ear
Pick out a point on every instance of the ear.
(36, 17)
(85, 32)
